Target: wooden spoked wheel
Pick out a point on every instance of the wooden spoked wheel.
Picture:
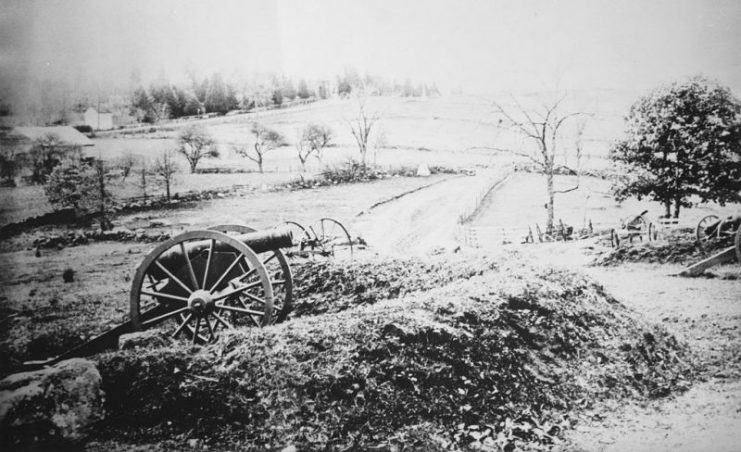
(201, 282)
(302, 240)
(333, 239)
(276, 264)
(702, 225)
(652, 234)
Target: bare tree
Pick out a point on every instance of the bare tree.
(105, 198)
(317, 137)
(265, 140)
(542, 127)
(195, 143)
(165, 168)
(126, 163)
(143, 174)
(361, 127)
(303, 150)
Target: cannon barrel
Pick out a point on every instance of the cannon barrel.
(258, 241)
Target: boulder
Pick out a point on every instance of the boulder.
(423, 170)
(52, 406)
(154, 338)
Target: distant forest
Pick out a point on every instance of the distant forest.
(55, 102)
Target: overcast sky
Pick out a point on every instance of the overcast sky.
(477, 45)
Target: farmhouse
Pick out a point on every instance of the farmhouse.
(98, 120)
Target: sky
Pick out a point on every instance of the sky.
(479, 46)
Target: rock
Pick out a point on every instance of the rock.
(155, 338)
(159, 223)
(56, 405)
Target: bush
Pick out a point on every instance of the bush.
(84, 128)
(68, 275)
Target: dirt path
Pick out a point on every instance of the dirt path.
(421, 221)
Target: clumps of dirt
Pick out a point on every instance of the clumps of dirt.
(327, 286)
(682, 251)
(497, 361)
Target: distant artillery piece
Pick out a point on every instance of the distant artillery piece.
(328, 238)
(712, 227)
(633, 226)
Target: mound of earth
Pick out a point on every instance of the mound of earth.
(684, 251)
(324, 286)
(320, 286)
(493, 360)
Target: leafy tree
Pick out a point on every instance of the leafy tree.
(165, 167)
(317, 137)
(682, 140)
(196, 143)
(323, 91)
(45, 154)
(81, 186)
(344, 89)
(142, 106)
(277, 97)
(10, 162)
(266, 139)
(303, 90)
(220, 97)
(288, 91)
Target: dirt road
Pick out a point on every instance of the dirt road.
(425, 220)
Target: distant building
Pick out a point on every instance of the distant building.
(68, 136)
(98, 120)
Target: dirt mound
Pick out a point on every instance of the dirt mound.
(683, 251)
(325, 286)
(494, 361)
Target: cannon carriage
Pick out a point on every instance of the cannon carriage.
(712, 228)
(199, 283)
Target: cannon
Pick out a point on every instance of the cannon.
(203, 282)
(327, 238)
(712, 227)
(633, 226)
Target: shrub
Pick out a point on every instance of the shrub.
(68, 275)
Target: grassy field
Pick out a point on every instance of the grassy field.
(447, 131)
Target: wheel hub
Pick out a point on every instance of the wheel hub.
(201, 303)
